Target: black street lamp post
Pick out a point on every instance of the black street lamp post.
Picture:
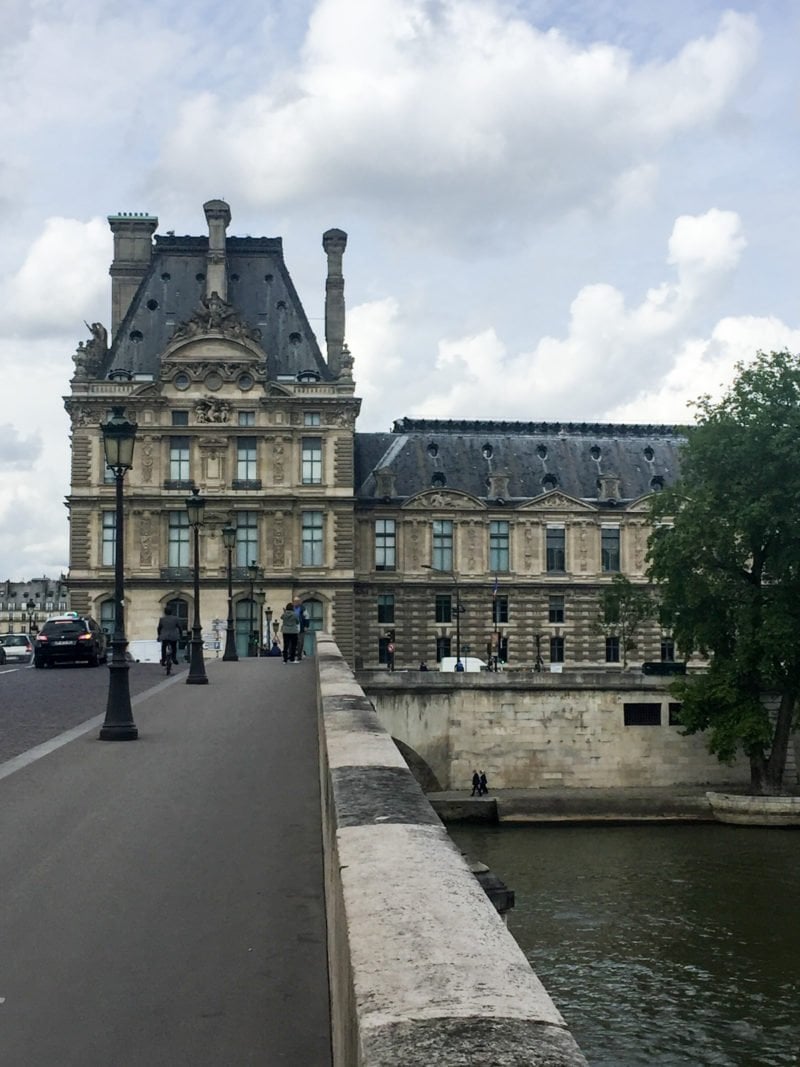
(195, 506)
(252, 644)
(119, 437)
(229, 540)
(268, 634)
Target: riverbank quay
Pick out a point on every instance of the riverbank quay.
(658, 804)
(422, 968)
(163, 898)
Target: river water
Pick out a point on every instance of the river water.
(662, 946)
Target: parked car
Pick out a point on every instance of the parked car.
(17, 648)
(70, 638)
(2, 655)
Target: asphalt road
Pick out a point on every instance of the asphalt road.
(38, 705)
(163, 898)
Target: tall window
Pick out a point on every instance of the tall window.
(108, 613)
(444, 607)
(246, 459)
(311, 418)
(498, 546)
(500, 609)
(556, 649)
(556, 549)
(247, 418)
(555, 608)
(612, 649)
(385, 545)
(312, 539)
(609, 548)
(386, 607)
(178, 539)
(312, 461)
(180, 418)
(179, 459)
(246, 538)
(442, 545)
(442, 648)
(109, 538)
(667, 649)
(315, 612)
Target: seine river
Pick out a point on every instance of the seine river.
(661, 945)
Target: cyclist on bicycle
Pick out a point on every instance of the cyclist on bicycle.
(169, 633)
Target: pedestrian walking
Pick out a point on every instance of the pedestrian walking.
(476, 784)
(302, 618)
(290, 628)
(390, 655)
(483, 785)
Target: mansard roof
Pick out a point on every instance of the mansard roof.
(260, 290)
(517, 461)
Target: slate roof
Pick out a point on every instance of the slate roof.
(536, 457)
(259, 288)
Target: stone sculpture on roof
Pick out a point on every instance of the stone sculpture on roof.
(215, 314)
(90, 355)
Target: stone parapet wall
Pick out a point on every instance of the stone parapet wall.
(423, 970)
(532, 731)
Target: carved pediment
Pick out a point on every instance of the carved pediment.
(556, 501)
(216, 316)
(642, 504)
(432, 499)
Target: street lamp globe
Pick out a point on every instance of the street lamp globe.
(119, 437)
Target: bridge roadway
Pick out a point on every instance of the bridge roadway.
(162, 899)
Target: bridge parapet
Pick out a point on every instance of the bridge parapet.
(423, 970)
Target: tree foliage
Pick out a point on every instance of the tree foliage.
(727, 562)
(623, 608)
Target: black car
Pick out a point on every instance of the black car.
(70, 638)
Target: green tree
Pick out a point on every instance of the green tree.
(727, 564)
(623, 608)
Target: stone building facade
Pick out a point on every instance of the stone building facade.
(477, 537)
(24, 606)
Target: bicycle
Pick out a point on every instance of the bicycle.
(169, 651)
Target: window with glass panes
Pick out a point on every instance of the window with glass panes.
(442, 648)
(311, 418)
(109, 538)
(612, 649)
(609, 549)
(179, 459)
(312, 539)
(500, 609)
(312, 461)
(556, 548)
(177, 539)
(247, 418)
(180, 418)
(385, 545)
(556, 649)
(498, 546)
(386, 607)
(246, 538)
(108, 614)
(667, 650)
(555, 608)
(444, 607)
(246, 459)
(442, 545)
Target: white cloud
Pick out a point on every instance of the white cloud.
(456, 108)
(63, 277)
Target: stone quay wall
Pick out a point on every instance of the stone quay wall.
(533, 731)
(422, 968)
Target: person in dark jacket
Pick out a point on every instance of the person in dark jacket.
(169, 634)
(290, 628)
(476, 784)
(302, 618)
(483, 787)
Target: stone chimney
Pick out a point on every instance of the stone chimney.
(384, 481)
(334, 242)
(609, 487)
(133, 247)
(218, 217)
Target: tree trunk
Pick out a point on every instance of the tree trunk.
(776, 763)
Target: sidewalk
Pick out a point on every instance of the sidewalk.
(162, 899)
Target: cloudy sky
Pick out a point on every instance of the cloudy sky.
(578, 210)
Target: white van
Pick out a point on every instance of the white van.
(471, 664)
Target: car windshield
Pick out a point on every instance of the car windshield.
(69, 628)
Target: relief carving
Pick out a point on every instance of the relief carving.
(215, 314)
(147, 461)
(278, 458)
(146, 541)
(212, 410)
(278, 541)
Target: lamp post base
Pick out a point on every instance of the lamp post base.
(197, 668)
(119, 724)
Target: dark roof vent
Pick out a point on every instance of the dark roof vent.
(549, 482)
(438, 481)
(649, 454)
(595, 452)
(487, 451)
(308, 376)
(541, 451)
(433, 449)
(657, 483)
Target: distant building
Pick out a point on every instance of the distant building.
(25, 605)
(384, 536)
